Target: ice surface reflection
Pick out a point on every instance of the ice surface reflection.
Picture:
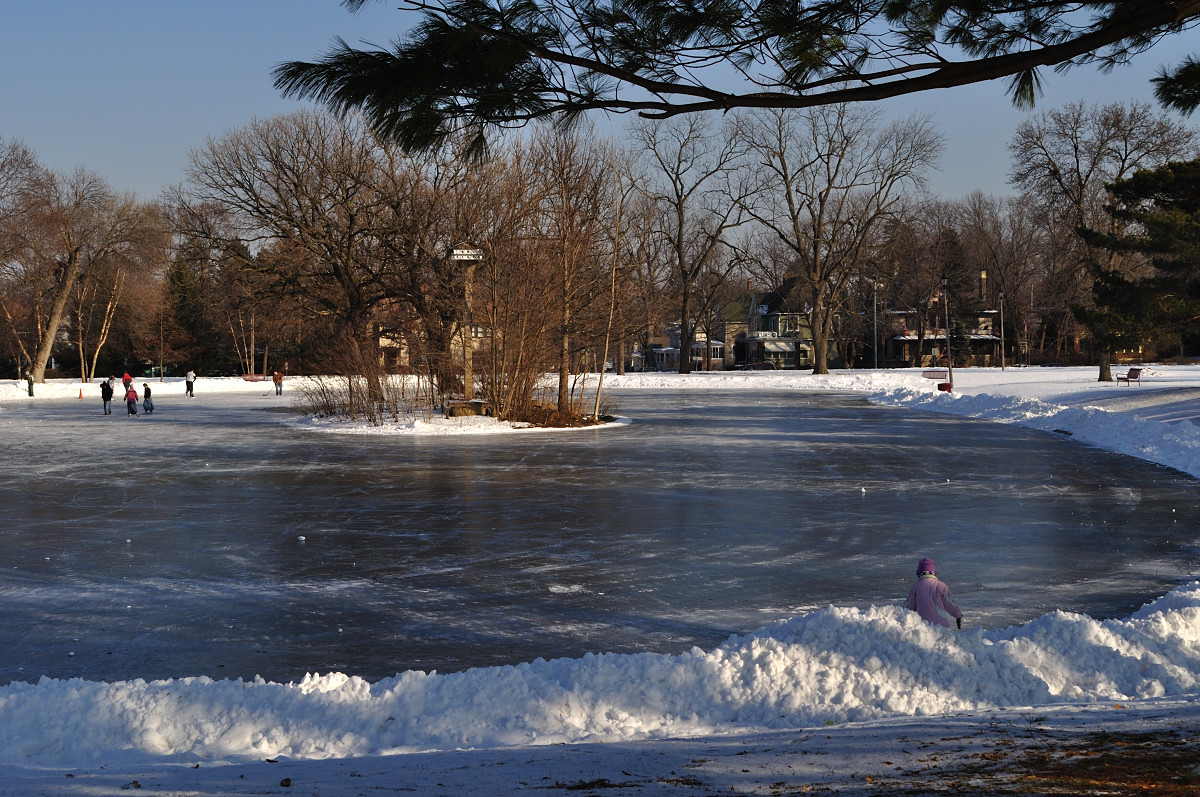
(169, 546)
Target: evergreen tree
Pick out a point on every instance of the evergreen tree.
(1160, 212)
(1123, 311)
(960, 342)
(194, 336)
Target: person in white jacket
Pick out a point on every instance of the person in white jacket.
(930, 597)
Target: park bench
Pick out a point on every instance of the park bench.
(1133, 375)
(464, 409)
(941, 375)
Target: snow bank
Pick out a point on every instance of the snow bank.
(1174, 445)
(830, 666)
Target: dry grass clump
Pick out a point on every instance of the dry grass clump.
(1163, 764)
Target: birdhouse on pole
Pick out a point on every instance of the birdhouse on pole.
(466, 252)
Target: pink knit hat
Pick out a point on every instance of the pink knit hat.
(926, 566)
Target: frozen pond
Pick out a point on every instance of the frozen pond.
(169, 546)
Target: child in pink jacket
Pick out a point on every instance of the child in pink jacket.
(930, 598)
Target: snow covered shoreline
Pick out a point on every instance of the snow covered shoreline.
(832, 666)
(858, 690)
(1158, 420)
(859, 675)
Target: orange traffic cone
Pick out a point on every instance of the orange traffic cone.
(81, 392)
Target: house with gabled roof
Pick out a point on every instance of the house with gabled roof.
(779, 334)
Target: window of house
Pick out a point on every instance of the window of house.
(789, 325)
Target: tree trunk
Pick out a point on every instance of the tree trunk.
(239, 343)
(564, 363)
(687, 334)
(80, 343)
(820, 350)
(564, 351)
(366, 348)
(820, 325)
(438, 345)
(16, 335)
(62, 292)
(110, 311)
(917, 358)
(612, 312)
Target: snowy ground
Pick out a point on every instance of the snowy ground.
(855, 701)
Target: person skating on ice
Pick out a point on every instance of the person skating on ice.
(106, 394)
(131, 400)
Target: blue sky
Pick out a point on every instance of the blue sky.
(128, 87)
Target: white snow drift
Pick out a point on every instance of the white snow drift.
(831, 666)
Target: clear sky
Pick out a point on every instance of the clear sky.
(128, 87)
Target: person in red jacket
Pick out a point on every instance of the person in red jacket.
(930, 597)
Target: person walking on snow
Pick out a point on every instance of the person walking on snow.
(147, 404)
(127, 380)
(189, 381)
(277, 378)
(930, 597)
(131, 400)
(106, 393)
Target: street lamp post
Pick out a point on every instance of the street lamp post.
(1001, 295)
(875, 318)
(949, 353)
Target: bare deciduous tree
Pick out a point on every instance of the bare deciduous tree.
(574, 209)
(1066, 157)
(1002, 238)
(692, 172)
(19, 173)
(309, 182)
(828, 179)
(72, 223)
(103, 287)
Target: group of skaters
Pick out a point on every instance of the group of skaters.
(109, 386)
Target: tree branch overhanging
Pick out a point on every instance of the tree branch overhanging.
(482, 64)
